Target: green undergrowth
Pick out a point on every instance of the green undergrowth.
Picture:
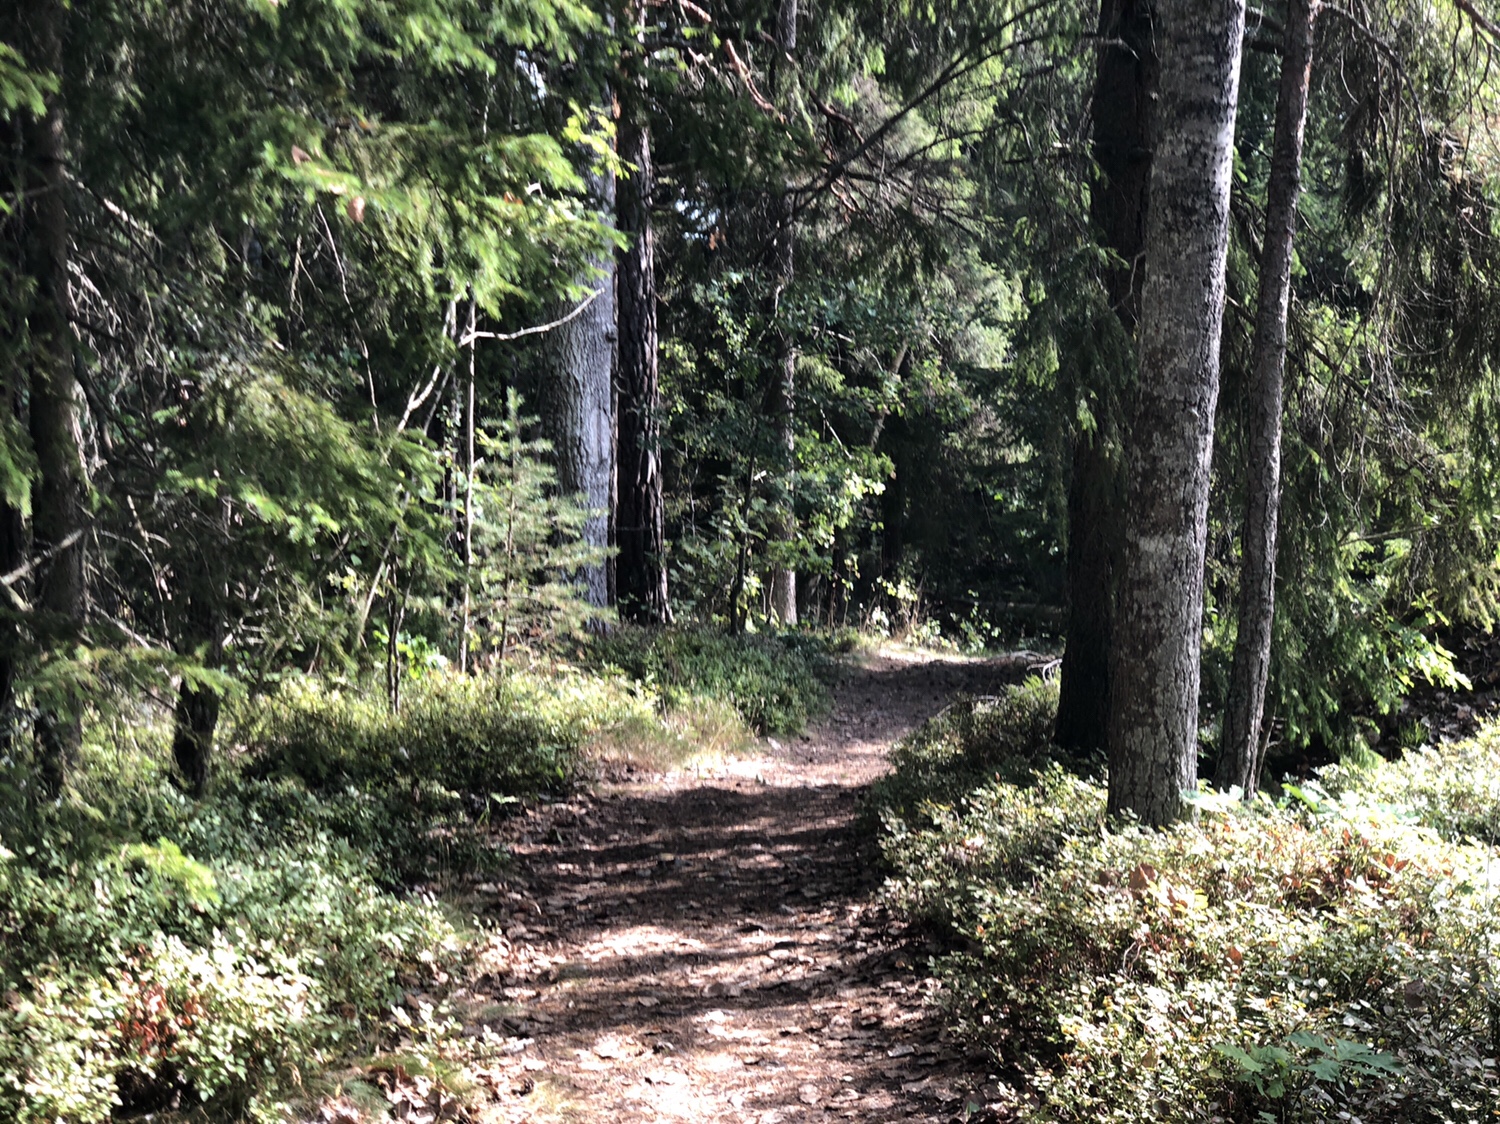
(1331, 958)
(776, 681)
(415, 788)
(159, 953)
(209, 958)
(972, 741)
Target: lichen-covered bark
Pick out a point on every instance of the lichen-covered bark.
(641, 569)
(1124, 83)
(1153, 730)
(1240, 750)
(578, 401)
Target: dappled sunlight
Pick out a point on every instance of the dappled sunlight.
(705, 947)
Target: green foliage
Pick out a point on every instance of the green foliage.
(1326, 960)
(216, 970)
(20, 88)
(775, 680)
(409, 786)
(528, 544)
(1453, 789)
(973, 740)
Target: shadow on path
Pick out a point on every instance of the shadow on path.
(706, 948)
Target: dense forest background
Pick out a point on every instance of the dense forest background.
(818, 313)
(363, 359)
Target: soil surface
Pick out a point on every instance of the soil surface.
(707, 946)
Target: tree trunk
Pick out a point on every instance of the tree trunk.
(1153, 730)
(1123, 89)
(467, 529)
(893, 500)
(783, 401)
(639, 522)
(58, 490)
(1094, 530)
(1240, 752)
(12, 555)
(195, 718)
(578, 402)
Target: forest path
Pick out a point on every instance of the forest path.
(706, 947)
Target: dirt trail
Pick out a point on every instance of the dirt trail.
(706, 948)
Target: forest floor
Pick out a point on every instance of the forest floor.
(708, 944)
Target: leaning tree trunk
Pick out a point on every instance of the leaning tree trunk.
(1153, 730)
(1240, 754)
(640, 569)
(1123, 89)
(578, 402)
(58, 490)
(783, 398)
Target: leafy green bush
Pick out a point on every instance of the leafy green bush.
(777, 681)
(155, 949)
(407, 787)
(1454, 790)
(138, 974)
(1326, 960)
(465, 734)
(972, 740)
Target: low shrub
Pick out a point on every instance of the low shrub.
(1330, 959)
(508, 734)
(972, 740)
(161, 952)
(140, 976)
(157, 951)
(1454, 789)
(776, 681)
(408, 787)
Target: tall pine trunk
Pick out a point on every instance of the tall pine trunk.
(58, 490)
(641, 569)
(1240, 754)
(1123, 88)
(1153, 729)
(783, 398)
(578, 401)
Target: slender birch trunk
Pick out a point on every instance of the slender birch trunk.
(1153, 731)
(783, 399)
(466, 609)
(1241, 751)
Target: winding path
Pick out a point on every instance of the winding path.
(708, 947)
